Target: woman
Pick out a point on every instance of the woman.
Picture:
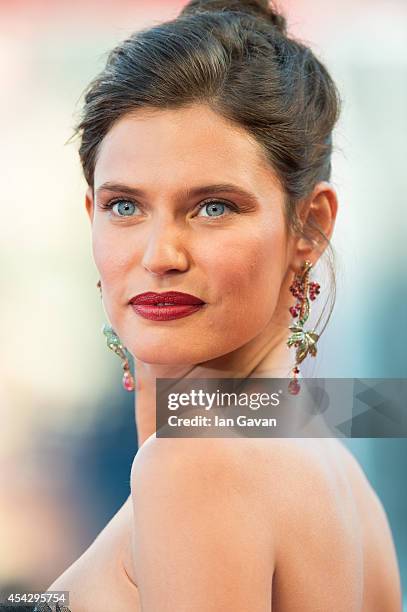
(206, 145)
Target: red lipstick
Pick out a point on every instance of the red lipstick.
(165, 306)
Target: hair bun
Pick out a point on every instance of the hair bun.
(260, 8)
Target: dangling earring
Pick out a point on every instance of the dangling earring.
(115, 344)
(304, 341)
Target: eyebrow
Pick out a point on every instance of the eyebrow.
(187, 193)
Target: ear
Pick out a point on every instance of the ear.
(89, 203)
(317, 214)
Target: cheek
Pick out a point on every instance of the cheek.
(245, 275)
(112, 254)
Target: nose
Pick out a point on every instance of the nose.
(164, 251)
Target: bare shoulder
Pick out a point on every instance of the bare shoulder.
(273, 472)
(202, 534)
(216, 471)
(280, 507)
(287, 505)
(212, 462)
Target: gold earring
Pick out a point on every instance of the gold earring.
(115, 344)
(304, 341)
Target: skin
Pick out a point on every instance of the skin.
(204, 528)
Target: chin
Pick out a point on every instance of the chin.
(179, 354)
(162, 354)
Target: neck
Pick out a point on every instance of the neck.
(267, 355)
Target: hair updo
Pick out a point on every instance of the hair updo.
(260, 8)
(236, 57)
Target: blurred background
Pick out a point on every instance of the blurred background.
(67, 436)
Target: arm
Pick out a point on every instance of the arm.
(202, 533)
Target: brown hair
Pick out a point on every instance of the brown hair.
(236, 57)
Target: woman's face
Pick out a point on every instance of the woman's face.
(196, 209)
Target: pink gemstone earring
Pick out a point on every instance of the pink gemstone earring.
(304, 341)
(115, 344)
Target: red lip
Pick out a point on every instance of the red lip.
(150, 298)
(177, 305)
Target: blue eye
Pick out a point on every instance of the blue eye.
(214, 208)
(125, 208)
